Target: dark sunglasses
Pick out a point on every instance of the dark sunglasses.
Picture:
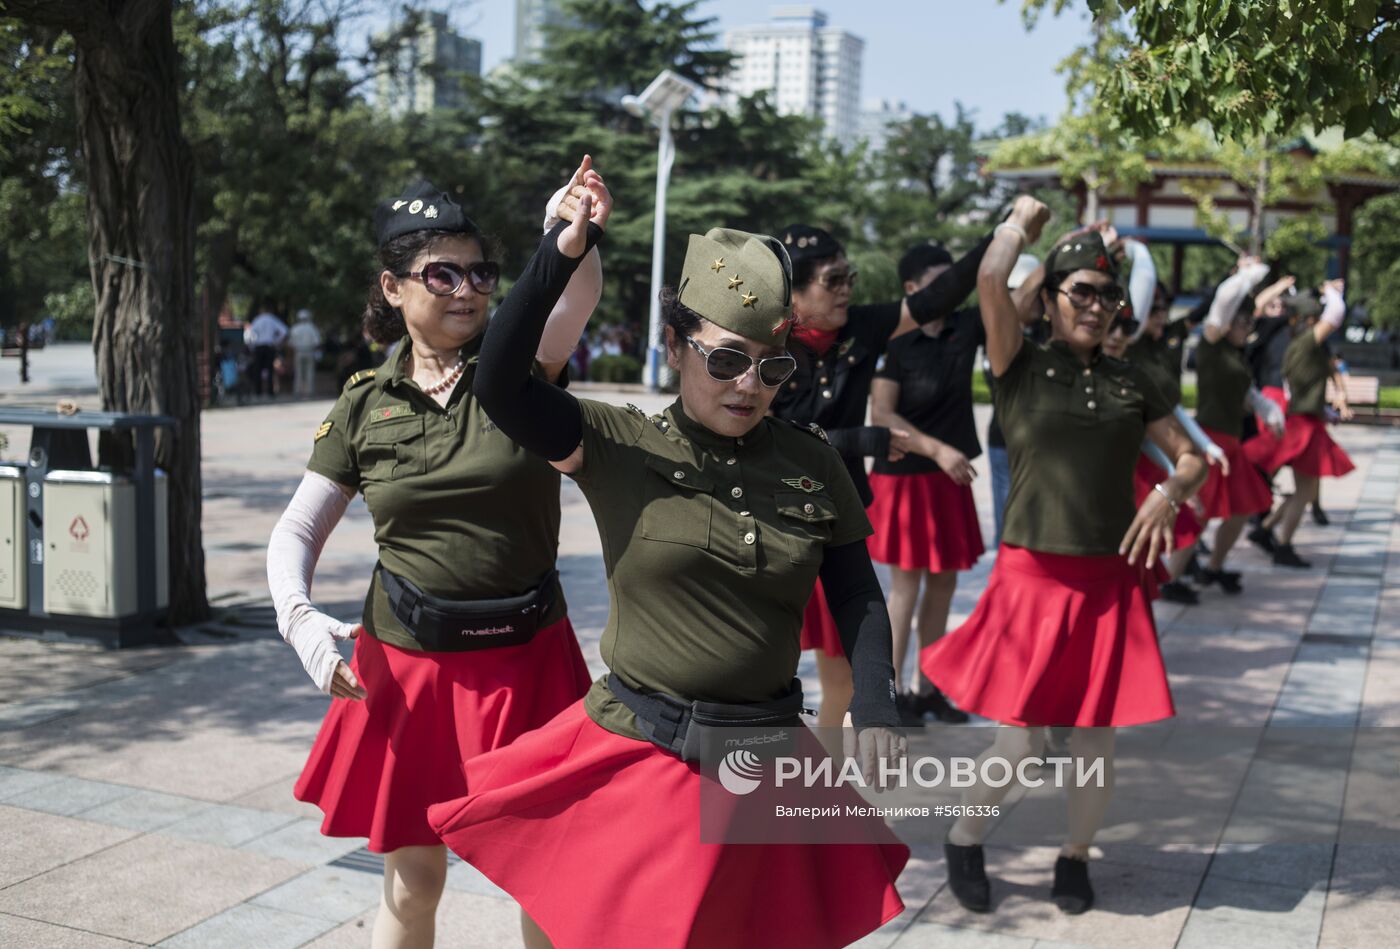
(726, 365)
(1082, 296)
(443, 279)
(1126, 325)
(838, 279)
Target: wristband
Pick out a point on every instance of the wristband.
(1016, 229)
(1176, 505)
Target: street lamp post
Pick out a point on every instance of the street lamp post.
(666, 93)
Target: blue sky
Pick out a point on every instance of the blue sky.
(927, 53)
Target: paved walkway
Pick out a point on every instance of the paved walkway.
(145, 795)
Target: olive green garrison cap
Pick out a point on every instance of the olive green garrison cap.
(740, 281)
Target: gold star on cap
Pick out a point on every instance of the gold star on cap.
(735, 283)
(749, 299)
(718, 265)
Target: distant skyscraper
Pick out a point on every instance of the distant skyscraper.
(531, 18)
(876, 117)
(428, 69)
(807, 67)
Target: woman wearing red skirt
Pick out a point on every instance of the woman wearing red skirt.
(1305, 445)
(715, 519)
(922, 510)
(465, 642)
(1063, 634)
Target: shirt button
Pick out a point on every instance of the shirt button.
(809, 509)
(1050, 373)
(732, 461)
(823, 380)
(1087, 372)
(792, 385)
(680, 475)
(851, 360)
(1093, 404)
(748, 538)
(1089, 390)
(737, 492)
(743, 513)
(826, 393)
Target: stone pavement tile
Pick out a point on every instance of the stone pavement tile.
(145, 810)
(1283, 909)
(1367, 871)
(277, 796)
(1208, 932)
(465, 878)
(21, 780)
(247, 925)
(227, 826)
(45, 708)
(1057, 944)
(70, 795)
(302, 842)
(33, 934)
(1346, 605)
(334, 894)
(1350, 923)
(464, 919)
(1371, 814)
(34, 843)
(1136, 908)
(1323, 686)
(145, 889)
(931, 935)
(1301, 866)
(30, 669)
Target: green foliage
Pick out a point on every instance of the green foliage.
(1376, 260)
(1251, 67)
(623, 369)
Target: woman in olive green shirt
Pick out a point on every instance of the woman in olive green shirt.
(715, 520)
(1063, 634)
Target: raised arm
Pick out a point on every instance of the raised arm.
(1000, 316)
(584, 289)
(537, 415)
(1230, 295)
(1334, 310)
(942, 298)
(1142, 281)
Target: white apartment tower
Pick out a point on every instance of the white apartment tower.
(807, 67)
(428, 69)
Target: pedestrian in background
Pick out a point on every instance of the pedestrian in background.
(265, 335)
(305, 340)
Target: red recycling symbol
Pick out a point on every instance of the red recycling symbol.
(78, 529)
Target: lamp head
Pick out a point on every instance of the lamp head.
(666, 93)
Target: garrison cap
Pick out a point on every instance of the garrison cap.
(1304, 306)
(421, 207)
(809, 243)
(1081, 252)
(740, 281)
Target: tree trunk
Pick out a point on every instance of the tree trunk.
(1258, 199)
(141, 241)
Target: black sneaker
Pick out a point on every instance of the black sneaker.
(908, 708)
(1286, 556)
(1194, 568)
(1320, 516)
(1263, 538)
(1177, 592)
(1229, 580)
(937, 703)
(967, 877)
(1071, 892)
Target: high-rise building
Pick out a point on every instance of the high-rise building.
(428, 69)
(876, 117)
(531, 18)
(808, 67)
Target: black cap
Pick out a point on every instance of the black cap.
(1081, 252)
(921, 257)
(808, 243)
(421, 207)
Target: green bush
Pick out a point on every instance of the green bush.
(615, 369)
(1390, 397)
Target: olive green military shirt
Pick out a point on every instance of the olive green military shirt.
(1306, 369)
(1161, 358)
(712, 547)
(1073, 433)
(1223, 379)
(459, 509)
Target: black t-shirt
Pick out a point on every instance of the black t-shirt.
(934, 373)
(1265, 350)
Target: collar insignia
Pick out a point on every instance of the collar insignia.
(804, 483)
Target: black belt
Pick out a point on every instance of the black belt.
(696, 730)
(465, 625)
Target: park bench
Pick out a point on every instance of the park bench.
(1361, 392)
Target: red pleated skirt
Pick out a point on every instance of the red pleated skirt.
(1243, 492)
(1305, 447)
(818, 628)
(378, 763)
(924, 522)
(1057, 640)
(597, 836)
(1188, 527)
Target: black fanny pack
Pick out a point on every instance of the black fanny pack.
(441, 625)
(703, 731)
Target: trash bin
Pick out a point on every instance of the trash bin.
(12, 546)
(91, 563)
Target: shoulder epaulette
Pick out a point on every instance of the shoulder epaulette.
(811, 428)
(635, 411)
(364, 375)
